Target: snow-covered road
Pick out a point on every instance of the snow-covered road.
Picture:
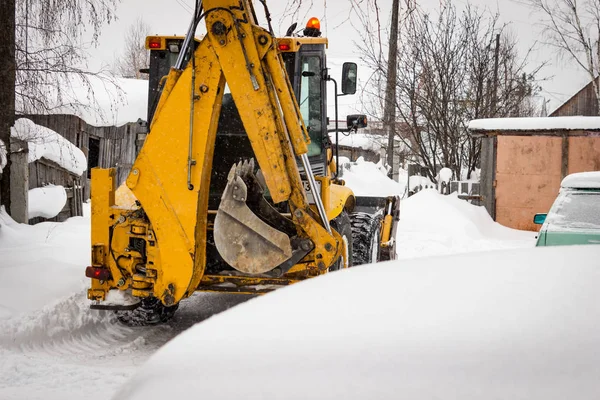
(66, 351)
(53, 347)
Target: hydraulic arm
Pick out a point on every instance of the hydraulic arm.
(158, 248)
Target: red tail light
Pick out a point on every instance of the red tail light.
(99, 273)
(284, 46)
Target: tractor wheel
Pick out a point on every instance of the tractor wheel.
(150, 312)
(342, 225)
(366, 237)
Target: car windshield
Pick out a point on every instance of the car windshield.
(577, 210)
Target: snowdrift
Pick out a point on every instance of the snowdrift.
(487, 325)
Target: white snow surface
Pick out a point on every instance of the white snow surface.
(107, 101)
(3, 158)
(360, 140)
(445, 175)
(476, 326)
(582, 180)
(46, 143)
(535, 124)
(369, 179)
(434, 224)
(53, 347)
(46, 201)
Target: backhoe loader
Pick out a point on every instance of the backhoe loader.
(236, 187)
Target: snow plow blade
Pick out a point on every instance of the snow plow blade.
(243, 240)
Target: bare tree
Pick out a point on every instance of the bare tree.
(42, 56)
(135, 56)
(7, 92)
(573, 27)
(446, 78)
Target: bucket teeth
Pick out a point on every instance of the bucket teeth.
(244, 241)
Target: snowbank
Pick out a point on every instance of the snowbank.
(41, 264)
(487, 325)
(46, 201)
(46, 143)
(435, 224)
(369, 179)
(536, 124)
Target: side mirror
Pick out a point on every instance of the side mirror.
(349, 77)
(539, 219)
(356, 121)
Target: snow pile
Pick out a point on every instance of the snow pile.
(445, 175)
(107, 101)
(3, 156)
(369, 179)
(431, 223)
(536, 124)
(474, 326)
(41, 264)
(46, 201)
(46, 143)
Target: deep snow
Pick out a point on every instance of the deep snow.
(53, 347)
(521, 324)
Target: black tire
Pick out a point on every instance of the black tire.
(342, 225)
(150, 312)
(366, 238)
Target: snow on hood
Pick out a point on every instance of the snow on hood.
(473, 326)
(46, 143)
(535, 124)
(582, 180)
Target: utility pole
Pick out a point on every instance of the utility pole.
(495, 92)
(7, 90)
(389, 111)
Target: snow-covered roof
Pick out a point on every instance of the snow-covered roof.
(46, 143)
(582, 180)
(365, 141)
(532, 124)
(106, 101)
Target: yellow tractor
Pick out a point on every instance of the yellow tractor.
(236, 187)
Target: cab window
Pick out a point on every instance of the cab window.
(310, 102)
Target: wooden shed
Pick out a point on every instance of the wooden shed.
(523, 161)
(104, 146)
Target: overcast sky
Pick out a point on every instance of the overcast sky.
(172, 17)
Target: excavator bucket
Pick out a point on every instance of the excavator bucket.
(243, 240)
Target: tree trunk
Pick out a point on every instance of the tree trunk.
(7, 90)
(389, 112)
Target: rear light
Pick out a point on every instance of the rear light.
(154, 43)
(99, 273)
(284, 45)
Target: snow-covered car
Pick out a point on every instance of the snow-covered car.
(518, 324)
(574, 218)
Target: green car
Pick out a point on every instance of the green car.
(575, 215)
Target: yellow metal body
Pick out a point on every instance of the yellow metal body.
(170, 224)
